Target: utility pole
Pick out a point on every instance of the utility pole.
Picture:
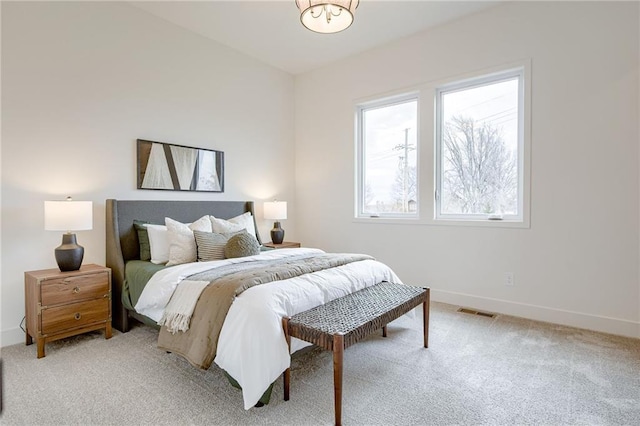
(405, 169)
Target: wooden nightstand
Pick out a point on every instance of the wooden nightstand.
(62, 304)
(285, 244)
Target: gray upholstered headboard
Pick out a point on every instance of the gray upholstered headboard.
(122, 239)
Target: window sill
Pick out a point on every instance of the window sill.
(483, 223)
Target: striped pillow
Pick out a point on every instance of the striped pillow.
(210, 245)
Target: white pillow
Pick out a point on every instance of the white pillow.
(246, 220)
(182, 243)
(221, 226)
(158, 243)
(238, 223)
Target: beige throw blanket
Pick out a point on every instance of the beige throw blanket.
(177, 314)
(199, 343)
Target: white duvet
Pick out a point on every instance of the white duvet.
(252, 346)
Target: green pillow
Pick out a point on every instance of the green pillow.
(143, 239)
(241, 245)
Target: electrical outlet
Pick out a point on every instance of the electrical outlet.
(508, 279)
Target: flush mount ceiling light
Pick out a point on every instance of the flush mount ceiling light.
(327, 16)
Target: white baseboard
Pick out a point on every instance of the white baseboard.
(11, 337)
(616, 326)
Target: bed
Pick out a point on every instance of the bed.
(250, 346)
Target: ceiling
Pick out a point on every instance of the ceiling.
(270, 30)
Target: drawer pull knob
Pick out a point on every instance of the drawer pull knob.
(77, 315)
(76, 289)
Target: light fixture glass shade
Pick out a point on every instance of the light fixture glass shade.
(68, 215)
(275, 210)
(327, 16)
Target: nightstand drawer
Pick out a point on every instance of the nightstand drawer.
(74, 288)
(74, 315)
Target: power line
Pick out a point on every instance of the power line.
(485, 101)
(508, 111)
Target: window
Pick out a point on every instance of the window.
(475, 170)
(387, 183)
(479, 148)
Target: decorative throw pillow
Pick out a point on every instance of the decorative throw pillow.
(210, 245)
(241, 245)
(182, 244)
(246, 220)
(222, 226)
(143, 239)
(158, 243)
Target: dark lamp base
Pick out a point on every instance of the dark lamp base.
(69, 254)
(277, 234)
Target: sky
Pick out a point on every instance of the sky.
(385, 130)
(496, 104)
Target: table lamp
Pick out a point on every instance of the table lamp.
(68, 216)
(276, 210)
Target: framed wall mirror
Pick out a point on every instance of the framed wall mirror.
(179, 168)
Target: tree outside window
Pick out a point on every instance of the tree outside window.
(478, 145)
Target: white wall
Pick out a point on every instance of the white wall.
(81, 82)
(577, 264)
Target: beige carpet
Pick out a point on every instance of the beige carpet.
(477, 370)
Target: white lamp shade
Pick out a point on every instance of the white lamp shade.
(68, 215)
(275, 210)
(327, 16)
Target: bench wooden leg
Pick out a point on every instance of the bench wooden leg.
(338, 352)
(425, 317)
(287, 381)
(287, 373)
(384, 331)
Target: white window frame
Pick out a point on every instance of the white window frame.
(427, 156)
(361, 151)
(471, 83)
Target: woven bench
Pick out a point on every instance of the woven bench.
(342, 322)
